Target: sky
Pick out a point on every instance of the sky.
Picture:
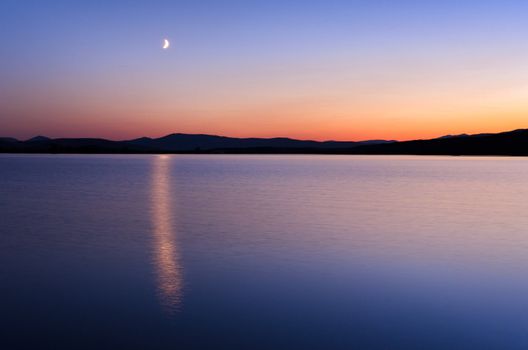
(323, 70)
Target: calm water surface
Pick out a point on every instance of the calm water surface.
(263, 252)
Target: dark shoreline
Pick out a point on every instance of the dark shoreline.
(267, 153)
(512, 143)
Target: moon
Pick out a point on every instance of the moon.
(166, 44)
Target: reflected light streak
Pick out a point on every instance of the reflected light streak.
(166, 255)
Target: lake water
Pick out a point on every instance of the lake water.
(263, 252)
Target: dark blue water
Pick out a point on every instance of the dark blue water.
(263, 252)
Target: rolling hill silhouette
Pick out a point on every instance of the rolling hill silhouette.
(514, 143)
(173, 143)
(511, 143)
(196, 142)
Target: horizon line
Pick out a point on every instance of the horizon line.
(262, 138)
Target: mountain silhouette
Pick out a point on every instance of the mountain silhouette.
(511, 143)
(38, 138)
(514, 143)
(187, 142)
(174, 143)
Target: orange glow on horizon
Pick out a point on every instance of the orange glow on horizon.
(345, 111)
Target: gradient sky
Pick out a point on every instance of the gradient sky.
(345, 70)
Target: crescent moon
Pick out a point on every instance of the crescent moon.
(166, 44)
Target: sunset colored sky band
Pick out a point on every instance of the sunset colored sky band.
(343, 70)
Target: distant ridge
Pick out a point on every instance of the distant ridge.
(38, 138)
(514, 143)
(175, 143)
(194, 142)
(511, 143)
